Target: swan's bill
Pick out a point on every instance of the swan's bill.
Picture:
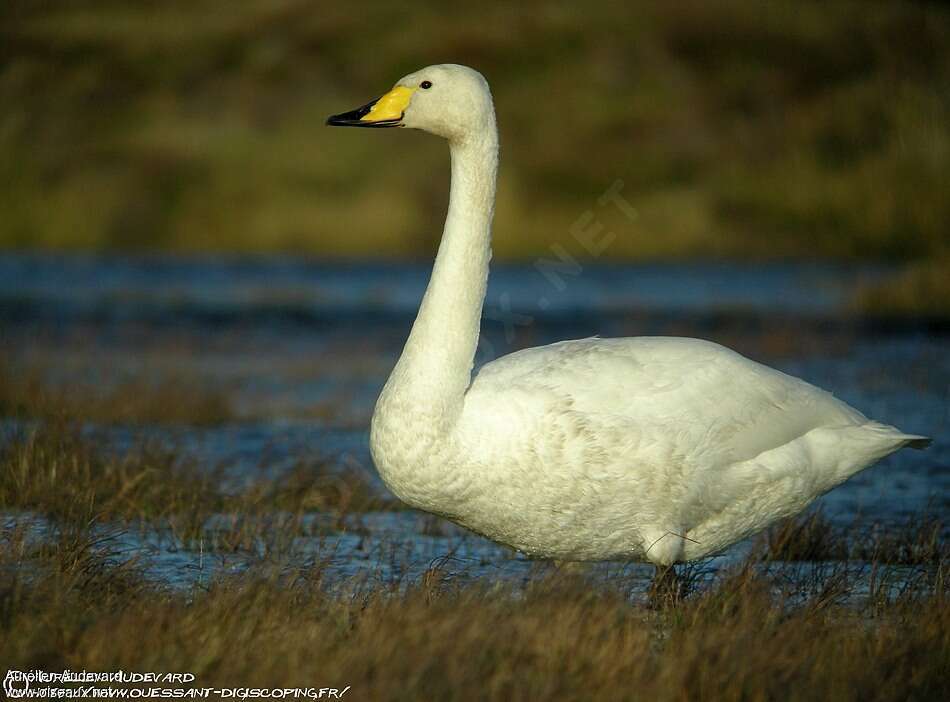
(387, 111)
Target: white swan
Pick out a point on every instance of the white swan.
(656, 449)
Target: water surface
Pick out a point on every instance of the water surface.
(302, 349)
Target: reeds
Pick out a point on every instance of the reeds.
(27, 392)
(76, 604)
(59, 472)
(759, 630)
(815, 611)
(919, 540)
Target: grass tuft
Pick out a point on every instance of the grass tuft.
(26, 391)
(57, 471)
(78, 605)
(918, 540)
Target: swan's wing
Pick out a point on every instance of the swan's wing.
(693, 444)
(697, 396)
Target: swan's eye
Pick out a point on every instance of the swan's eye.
(426, 84)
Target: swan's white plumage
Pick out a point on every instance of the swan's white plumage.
(677, 440)
(659, 449)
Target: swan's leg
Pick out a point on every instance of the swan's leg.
(667, 587)
(663, 548)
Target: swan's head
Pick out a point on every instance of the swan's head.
(448, 100)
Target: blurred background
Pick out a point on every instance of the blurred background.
(741, 130)
(188, 253)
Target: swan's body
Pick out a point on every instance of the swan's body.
(658, 449)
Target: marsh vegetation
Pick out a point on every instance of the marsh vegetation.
(256, 564)
(788, 129)
(835, 629)
(817, 606)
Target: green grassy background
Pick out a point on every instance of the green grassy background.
(740, 129)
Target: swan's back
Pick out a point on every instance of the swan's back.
(711, 396)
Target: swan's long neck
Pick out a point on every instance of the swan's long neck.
(435, 368)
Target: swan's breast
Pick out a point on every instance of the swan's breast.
(417, 455)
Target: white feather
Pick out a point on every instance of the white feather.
(658, 449)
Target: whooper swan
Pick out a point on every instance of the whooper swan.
(650, 448)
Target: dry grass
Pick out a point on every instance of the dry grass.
(922, 289)
(26, 392)
(808, 537)
(755, 632)
(759, 631)
(56, 471)
(74, 604)
(919, 540)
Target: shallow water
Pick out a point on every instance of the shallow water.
(303, 348)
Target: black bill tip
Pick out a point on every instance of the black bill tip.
(354, 118)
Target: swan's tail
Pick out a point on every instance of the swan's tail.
(914, 441)
(918, 442)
